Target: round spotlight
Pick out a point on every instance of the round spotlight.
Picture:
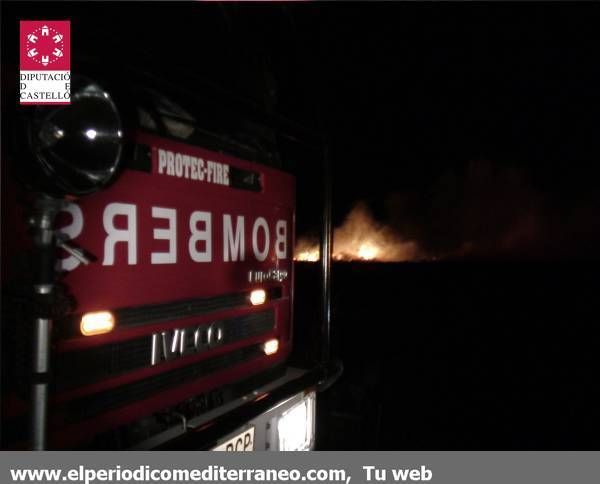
(76, 148)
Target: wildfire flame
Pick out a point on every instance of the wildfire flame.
(360, 237)
(307, 250)
(367, 252)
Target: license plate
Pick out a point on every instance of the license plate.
(242, 442)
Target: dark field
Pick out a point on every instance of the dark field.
(461, 355)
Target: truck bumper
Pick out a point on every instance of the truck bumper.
(289, 425)
(277, 416)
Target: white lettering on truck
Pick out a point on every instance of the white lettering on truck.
(71, 231)
(120, 222)
(281, 240)
(170, 234)
(115, 235)
(192, 168)
(200, 236)
(260, 255)
(233, 249)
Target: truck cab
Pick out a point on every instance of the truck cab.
(170, 310)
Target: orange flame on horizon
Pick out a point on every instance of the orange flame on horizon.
(360, 237)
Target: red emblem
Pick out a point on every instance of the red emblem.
(45, 45)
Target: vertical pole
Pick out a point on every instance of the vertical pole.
(39, 389)
(326, 248)
(43, 235)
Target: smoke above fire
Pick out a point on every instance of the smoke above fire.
(486, 210)
(361, 237)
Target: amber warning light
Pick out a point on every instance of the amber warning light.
(271, 347)
(258, 297)
(97, 323)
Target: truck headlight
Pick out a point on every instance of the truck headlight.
(296, 426)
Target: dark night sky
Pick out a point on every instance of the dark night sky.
(431, 85)
(467, 122)
(457, 122)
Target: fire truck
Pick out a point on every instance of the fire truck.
(147, 254)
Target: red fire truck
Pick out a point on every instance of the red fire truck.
(147, 267)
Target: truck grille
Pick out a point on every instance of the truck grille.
(156, 313)
(94, 404)
(84, 367)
